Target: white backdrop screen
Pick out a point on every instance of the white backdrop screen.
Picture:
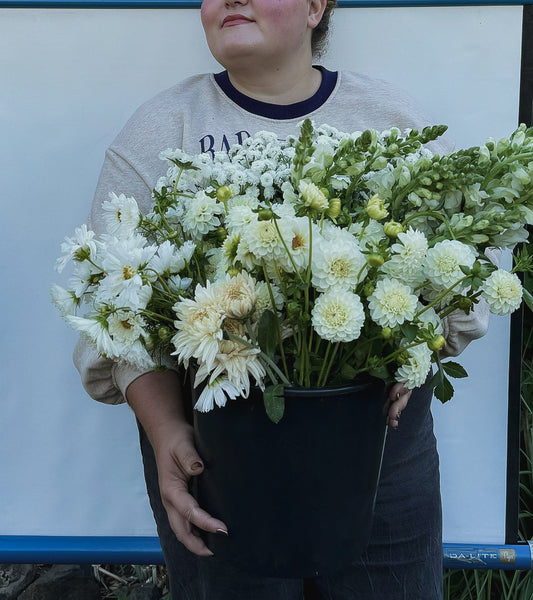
(69, 79)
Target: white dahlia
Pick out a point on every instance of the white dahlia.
(444, 261)
(408, 257)
(338, 316)
(202, 215)
(199, 326)
(503, 292)
(236, 295)
(337, 263)
(414, 371)
(392, 303)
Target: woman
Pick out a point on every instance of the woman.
(266, 48)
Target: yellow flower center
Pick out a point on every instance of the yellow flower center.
(297, 242)
(128, 272)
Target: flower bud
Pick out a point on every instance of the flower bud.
(375, 260)
(233, 271)
(313, 197)
(386, 333)
(265, 214)
(464, 303)
(375, 208)
(436, 343)
(224, 193)
(334, 208)
(392, 229)
(368, 289)
(164, 333)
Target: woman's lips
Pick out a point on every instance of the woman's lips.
(235, 20)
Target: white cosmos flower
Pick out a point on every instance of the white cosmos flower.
(443, 263)
(65, 300)
(337, 263)
(167, 260)
(97, 333)
(236, 295)
(126, 281)
(503, 292)
(121, 215)
(202, 215)
(413, 373)
(126, 327)
(127, 331)
(73, 248)
(338, 316)
(178, 284)
(199, 326)
(392, 303)
(295, 233)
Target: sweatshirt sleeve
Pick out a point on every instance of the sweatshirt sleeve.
(459, 329)
(106, 380)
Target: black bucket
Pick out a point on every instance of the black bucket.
(297, 496)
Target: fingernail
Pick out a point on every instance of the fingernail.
(196, 466)
(222, 531)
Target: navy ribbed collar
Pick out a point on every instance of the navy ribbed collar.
(280, 111)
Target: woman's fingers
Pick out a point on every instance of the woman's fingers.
(398, 398)
(184, 514)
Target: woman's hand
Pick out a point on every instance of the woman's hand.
(156, 401)
(398, 398)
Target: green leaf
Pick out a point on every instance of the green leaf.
(409, 331)
(380, 372)
(444, 390)
(454, 369)
(267, 333)
(274, 402)
(528, 299)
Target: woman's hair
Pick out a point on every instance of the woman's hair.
(319, 38)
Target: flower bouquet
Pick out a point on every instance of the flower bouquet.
(302, 265)
(307, 262)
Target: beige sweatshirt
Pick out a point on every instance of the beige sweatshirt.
(205, 113)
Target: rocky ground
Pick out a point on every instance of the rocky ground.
(81, 582)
